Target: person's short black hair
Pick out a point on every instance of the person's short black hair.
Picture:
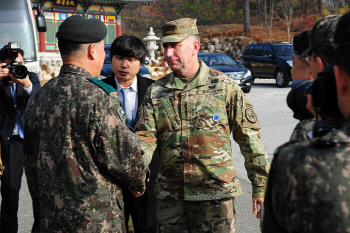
(66, 47)
(129, 46)
(5, 53)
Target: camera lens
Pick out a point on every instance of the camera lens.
(297, 99)
(20, 72)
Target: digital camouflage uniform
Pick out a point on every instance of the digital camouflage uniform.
(78, 151)
(309, 186)
(302, 131)
(191, 123)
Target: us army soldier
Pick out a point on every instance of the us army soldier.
(190, 114)
(80, 148)
(301, 74)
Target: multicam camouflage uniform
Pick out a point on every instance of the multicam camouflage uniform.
(191, 123)
(309, 186)
(79, 150)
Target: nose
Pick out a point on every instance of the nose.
(168, 52)
(124, 63)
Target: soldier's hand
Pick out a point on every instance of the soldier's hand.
(258, 203)
(310, 107)
(4, 72)
(137, 193)
(25, 82)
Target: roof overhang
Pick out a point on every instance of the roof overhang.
(120, 1)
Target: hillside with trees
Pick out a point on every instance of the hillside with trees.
(261, 20)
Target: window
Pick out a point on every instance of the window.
(258, 50)
(267, 50)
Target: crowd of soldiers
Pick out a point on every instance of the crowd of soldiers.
(89, 144)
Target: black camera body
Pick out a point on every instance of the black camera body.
(17, 69)
(324, 98)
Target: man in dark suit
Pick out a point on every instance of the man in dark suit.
(128, 54)
(14, 94)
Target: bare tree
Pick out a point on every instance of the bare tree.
(333, 5)
(269, 15)
(286, 8)
(246, 16)
(319, 6)
(261, 15)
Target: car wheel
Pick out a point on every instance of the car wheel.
(247, 90)
(281, 78)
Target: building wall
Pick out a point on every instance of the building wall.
(55, 15)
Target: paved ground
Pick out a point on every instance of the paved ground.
(277, 124)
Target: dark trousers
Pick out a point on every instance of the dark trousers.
(10, 185)
(131, 209)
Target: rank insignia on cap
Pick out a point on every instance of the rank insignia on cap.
(250, 115)
(216, 117)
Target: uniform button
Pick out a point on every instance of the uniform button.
(8, 138)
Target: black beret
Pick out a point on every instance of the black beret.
(80, 30)
(342, 32)
(301, 42)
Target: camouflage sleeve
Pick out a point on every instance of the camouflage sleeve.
(246, 132)
(30, 160)
(118, 149)
(283, 181)
(146, 128)
(301, 131)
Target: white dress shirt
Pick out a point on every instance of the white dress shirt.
(132, 96)
(29, 91)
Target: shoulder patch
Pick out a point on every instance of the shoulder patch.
(250, 115)
(107, 88)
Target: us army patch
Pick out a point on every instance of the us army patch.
(250, 115)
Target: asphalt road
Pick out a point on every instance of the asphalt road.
(276, 123)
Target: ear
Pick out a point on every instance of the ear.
(196, 46)
(320, 64)
(342, 80)
(92, 53)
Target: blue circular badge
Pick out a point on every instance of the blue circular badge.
(216, 117)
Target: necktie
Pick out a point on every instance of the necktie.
(127, 107)
(18, 122)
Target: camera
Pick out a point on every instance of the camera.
(324, 98)
(17, 69)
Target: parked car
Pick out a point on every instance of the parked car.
(107, 66)
(229, 66)
(270, 60)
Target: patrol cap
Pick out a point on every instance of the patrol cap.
(178, 30)
(322, 35)
(301, 42)
(80, 30)
(342, 32)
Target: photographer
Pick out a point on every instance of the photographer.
(14, 94)
(301, 74)
(309, 183)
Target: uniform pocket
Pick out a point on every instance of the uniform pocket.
(212, 115)
(167, 117)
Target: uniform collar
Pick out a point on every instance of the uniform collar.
(201, 79)
(75, 69)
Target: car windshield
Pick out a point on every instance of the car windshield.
(283, 50)
(216, 59)
(16, 26)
